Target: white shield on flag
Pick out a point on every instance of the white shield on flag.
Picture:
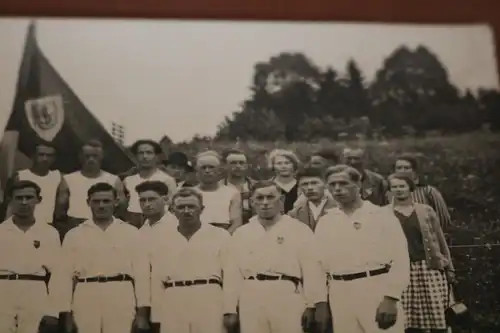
(45, 116)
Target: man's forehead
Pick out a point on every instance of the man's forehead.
(186, 200)
(271, 189)
(102, 195)
(310, 179)
(208, 160)
(339, 176)
(145, 147)
(236, 157)
(149, 194)
(24, 191)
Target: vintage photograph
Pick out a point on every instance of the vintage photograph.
(163, 176)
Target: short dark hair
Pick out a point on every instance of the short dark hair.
(404, 177)
(410, 158)
(157, 186)
(232, 151)
(309, 172)
(156, 146)
(45, 144)
(354, 175)
(263, 184)
(94, 143)
(22, 184)
(185, 192)
(101, 187)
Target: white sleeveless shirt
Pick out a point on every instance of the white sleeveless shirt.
(131, 182)
(49, 183)
(78, 186)
(217, 204)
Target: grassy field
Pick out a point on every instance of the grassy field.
(466, 169)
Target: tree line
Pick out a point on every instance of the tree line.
(292, 99)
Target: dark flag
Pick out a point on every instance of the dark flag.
(47, 110)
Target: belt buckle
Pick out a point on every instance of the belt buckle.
(101, 279)
(188, 283)
(123, 277)
(13, 276)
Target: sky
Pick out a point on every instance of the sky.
(182, 78)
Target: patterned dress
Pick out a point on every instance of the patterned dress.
(426, 297)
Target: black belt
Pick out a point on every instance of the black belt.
(355, 276)
(221, 225)
(265, 277)
(102, 279)
(25, 277)
(187, 283)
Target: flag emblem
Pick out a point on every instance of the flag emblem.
(280, 240)
(36, 244)
(357, 225)
(45, 116)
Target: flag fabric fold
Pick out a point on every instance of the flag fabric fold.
(46, 109)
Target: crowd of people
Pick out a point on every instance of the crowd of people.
(325, 245)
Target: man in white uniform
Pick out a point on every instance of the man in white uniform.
(365, 256)
(273, 273)
(30, 251)
(79, 182)
(153, 198)
(187, 264)
(106, 271)
(48, 180)
(148, 155)
(222, 203)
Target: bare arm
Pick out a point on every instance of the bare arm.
(235, 213)
(62, 198)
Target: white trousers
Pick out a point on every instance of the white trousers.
(104, 307)
(193, 309)
(271, 307)
(354, 305)
(23, 305)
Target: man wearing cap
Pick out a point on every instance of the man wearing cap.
(30, 256)
(373, 186)
(222, 203)
(178, 166)
(147, 153)
(236, 167)
(364, 254)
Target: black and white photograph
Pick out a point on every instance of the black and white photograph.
(193, 176)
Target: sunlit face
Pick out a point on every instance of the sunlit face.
(236, 164)
(404, 167)
(146, 155)
(187, 209)
(24, 201)
(152, 203)
(312, 187)
(44, 156)
(318, 162)
(343, 189)
(399, 189)
(354, 158)
(91, 157)
(283, 166)
(102, 204)
(208, 169)
(267, 202)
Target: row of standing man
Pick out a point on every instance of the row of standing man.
(281, 262)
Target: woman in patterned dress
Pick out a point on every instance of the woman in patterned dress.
(431, 269)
